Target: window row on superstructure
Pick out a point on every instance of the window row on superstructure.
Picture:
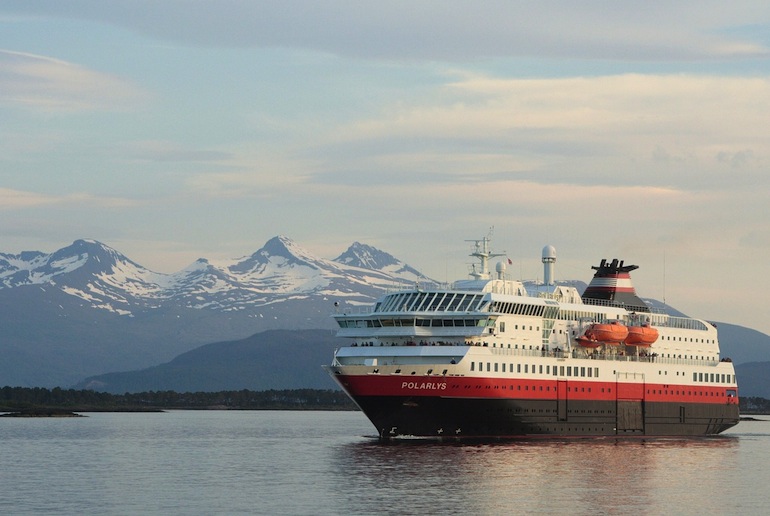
(684, 323)
(504, 307)
(581, 315)
(713, 378)
(389, 322)
(687, 339)
(430, 302)
(497, 367)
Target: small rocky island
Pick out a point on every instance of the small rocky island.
(42, 412)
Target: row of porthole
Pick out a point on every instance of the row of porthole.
(689, 393)
(547, 388)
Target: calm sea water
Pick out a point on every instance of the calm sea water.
(212, 462)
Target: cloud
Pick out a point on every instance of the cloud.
(11, 199)
(50, 85)
(167, 151)
(681, 131)
(440, 29)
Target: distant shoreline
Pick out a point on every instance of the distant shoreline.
(41, 402)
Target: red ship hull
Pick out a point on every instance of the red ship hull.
(460, 408)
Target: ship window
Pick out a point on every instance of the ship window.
(503, 366)
(502, 326)
(518, 368)
(526, 368)
(488, 367)
(569, 370)
(700, 377)
(561, 370)
(590, 372)
(582, 371)
(495, 366)
(473, 366)
(541, 370)
(596, 372)
(547, 369)
(695, 377)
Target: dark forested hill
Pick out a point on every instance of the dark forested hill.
(274, 359)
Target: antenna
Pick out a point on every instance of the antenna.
(664, 277)
(482, 251)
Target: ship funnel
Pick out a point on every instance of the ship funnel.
(612, 285)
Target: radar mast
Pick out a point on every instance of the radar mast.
(482, 249)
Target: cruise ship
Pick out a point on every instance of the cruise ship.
(485, 358)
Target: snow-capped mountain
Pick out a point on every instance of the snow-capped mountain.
(87, 309)
(368, 257)
(105, 279)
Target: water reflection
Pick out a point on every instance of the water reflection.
(603, 476)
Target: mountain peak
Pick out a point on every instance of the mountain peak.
(280, 250)
(87, 253)
(279, 246)
(366, 257)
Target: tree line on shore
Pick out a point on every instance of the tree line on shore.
(15, 399)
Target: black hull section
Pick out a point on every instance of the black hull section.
(443, 417)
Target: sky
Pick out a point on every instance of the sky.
(172, 130)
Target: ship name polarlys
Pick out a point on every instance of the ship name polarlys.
(423, 385)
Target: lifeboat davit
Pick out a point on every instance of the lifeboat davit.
(641, 335)
(605, 333)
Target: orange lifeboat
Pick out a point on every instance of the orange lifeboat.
(606, 333)
(641, 335)
(588, 343)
